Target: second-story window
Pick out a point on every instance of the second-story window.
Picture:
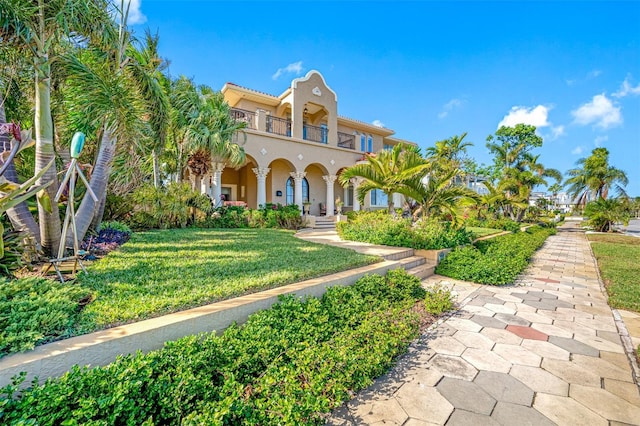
(324, 133)
(370, 144)
(363, 143)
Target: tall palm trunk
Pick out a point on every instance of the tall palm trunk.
(89, 212)
(156, 168)
(49, 222)
(20, 216)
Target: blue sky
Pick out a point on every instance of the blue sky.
(430, 70)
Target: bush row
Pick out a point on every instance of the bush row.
(379, 227)
(285, 365)
(496, 261)
(503, 223)
(178, 206)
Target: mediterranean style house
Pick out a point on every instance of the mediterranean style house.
(296, 146)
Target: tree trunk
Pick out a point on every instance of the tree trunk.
(156, 169)
(20, 216)
(392, 210)
(49, 222)
(89, 212)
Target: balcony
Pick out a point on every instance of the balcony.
(345, 140)
(283, 127)
(243, 115)
(315, 133)
(278, 126)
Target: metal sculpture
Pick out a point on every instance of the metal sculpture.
(73, 172)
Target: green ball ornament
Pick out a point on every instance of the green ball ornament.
(77, 143)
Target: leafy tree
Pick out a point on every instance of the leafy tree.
(604, 213)
(41, 27)
(520, 169)
(437, 194)
(595, 178)
(386, 171)
(449, 154)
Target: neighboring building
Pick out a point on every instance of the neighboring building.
(296, 146)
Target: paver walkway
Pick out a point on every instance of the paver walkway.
(541, 352)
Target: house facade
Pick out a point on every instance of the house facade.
(296, 146)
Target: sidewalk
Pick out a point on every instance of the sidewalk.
(541, 352)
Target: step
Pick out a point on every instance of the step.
(412, 262)
(398, 255)
(423, 271)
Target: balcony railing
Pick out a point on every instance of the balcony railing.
(278, 126)
(315, 133)
(345, 140)
(248, 117)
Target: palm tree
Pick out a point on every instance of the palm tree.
(120, 96)
(40, 26)
(595, 178)
(448, 154)
(386, 171)
(201, 122)
(436, 194)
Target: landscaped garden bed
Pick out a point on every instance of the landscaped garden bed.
(495, 261)
(159, 272)
(381, 228)
(286, 365)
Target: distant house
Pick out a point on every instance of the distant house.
(296, 146)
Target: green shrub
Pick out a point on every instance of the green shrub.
(36, 310)
(379, 227)
(116, 226)
(285, 365)
(438, 300)
(170, 207)
(495, 261)
(276, 216)
(227, 217)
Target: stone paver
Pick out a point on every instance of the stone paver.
(466, 396)
(543, 351)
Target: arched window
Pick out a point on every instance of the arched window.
(363, 145)
(370, 144)
(291, 199)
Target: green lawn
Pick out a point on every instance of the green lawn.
(617, 257)
(166, 271)
(483, 232)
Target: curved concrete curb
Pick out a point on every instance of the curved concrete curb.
(102, 347)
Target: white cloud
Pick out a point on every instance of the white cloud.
(450, 106)
(577, 150)
(590, 75)
(135, 15)
(600, 112)
(536, 116)
(599, 139)
(294, 68)
(557, 131)
(627, 89)
(378, 123)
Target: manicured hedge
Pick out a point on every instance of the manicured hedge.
(379, 227)
(285, 365)
(496, 261)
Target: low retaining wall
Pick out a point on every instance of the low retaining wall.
(102, 347)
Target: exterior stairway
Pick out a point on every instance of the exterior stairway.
(325, 223)
(417, 266)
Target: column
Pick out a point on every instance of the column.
(297, 192)
(356, 202)
(261, 174)
(330, 179)
(205, 187)
(216, 181)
